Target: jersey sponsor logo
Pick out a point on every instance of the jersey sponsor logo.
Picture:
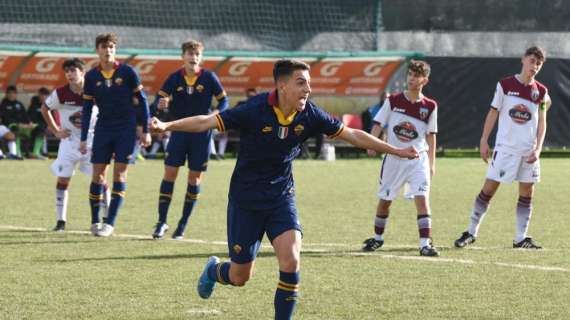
(118, 81)
(299, 129)
(75, 119)
(200, 88)
(283, 132)
(399, 110)
(534, 94)
(267, 129)
(512, 93)
(405, 131)
(424, 113)
(520, 114)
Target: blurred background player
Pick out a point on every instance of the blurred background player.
(8, 136)
(112, 85)
(68, 101)
(411, 120)
(15, 118)
(159, 139)
(39, 132)
(187, 92)
(520, 103)
(262, 194)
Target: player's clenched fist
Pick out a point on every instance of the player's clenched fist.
(157, 125)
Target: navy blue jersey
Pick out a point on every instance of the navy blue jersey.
(192, 95)
(113, 94)
(262, 178)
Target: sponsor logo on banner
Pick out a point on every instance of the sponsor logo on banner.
(424, 113)
(283, 132)
(405, 131)
(239, 69)
(520, 114)
(330, 69)
(46, 65)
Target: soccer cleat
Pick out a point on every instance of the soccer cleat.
(95, 227)
(205, 284)
(178, 233)
(159, 230)
(2, 157)
(372, 244)
(106, 230)
(465, 239)
(60, 226)
(527, 243)
(429, 251)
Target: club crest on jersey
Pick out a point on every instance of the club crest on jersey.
(520, 114)
(299, 129)
(405, 131)
(108, 83)
(119, 81)
(424, 113)
(283, 132)
(200, 88)
(534, 94)
(179, 89)
(190, 89)
(98, 83)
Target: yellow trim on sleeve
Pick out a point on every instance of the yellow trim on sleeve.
(221, 96)
(163, 94)
(221, 126)
(87, 97)
(337, 133)
(284, 121)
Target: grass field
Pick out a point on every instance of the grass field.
(73, 275)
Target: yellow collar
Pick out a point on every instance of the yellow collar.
(284, 121)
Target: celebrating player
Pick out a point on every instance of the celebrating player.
(189, 92)
(112, 86)
(262, 195)
(520, 103)
(411, 120)
(68, 101)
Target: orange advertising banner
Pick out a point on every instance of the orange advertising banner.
(344, 77)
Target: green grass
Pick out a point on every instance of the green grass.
(73, 275)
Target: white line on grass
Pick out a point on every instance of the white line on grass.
(204, 312)
(331, 253)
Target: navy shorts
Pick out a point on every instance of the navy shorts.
(246, 228)
(189, 145)
(108, 142)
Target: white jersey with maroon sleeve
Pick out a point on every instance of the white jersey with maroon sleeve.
(408, 122)
(518, 105)
(70, 105)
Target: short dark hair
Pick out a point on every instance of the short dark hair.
(192, 45)
(538, 52)
(286, 67)
(73, 63)
(11, 89)
(106, 37)
(43, 91)
(419, 67)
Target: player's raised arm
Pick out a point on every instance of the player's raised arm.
(190, 124)
(364, 140)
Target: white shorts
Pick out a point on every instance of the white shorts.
(68, 156)
(396, 172)
(3, 131)
(506, 168)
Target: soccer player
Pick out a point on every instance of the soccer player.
(68, 101)
(262, 195)
(112, 86)
(189, 92)
(16, 122)
(411, 120)
(520, 103)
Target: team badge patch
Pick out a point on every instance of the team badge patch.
(405, 131)
(520, 114)
(424, 113)
(237, 249)
(179, 89)
(119, 81)
(108, 83)
(205, 164)
(283, 132)
(98, 83)
(267, 129)
(190, 90)
(200, 88)
(534, 94)
(299, 129)
(501, 173)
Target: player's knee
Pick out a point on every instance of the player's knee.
(240, 279)
(290, 263)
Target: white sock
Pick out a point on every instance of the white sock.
(165, 143)
(480, 208)
(154, 148)
(212, 147)
(424, 242)
(61, 204)
(222, 143)
(1, 153)
(523, 214)
(12, 148)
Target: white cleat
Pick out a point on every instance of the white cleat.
(106, 230)
(95, 229)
